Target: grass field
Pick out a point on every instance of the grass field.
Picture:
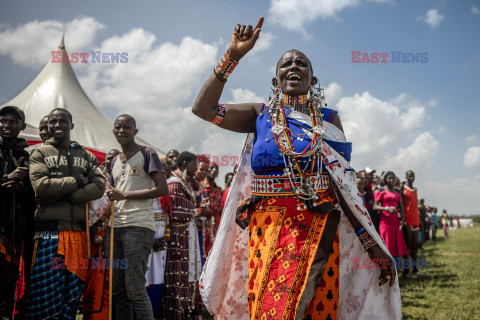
(452, 288)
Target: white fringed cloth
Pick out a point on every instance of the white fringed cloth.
(223, 283)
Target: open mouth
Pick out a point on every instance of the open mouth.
(294, 77)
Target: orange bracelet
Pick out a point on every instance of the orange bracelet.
(225, 67)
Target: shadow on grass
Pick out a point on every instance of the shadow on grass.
(406, 317)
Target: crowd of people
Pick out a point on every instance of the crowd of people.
(46, 193)
(403, 221)
(57, 202)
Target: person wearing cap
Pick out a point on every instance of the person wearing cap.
(16, 212)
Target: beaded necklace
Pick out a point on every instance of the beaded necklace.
(284, 136)
(185, 185)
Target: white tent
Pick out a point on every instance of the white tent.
(57, 87)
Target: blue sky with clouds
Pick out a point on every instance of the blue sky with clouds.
(420, 116)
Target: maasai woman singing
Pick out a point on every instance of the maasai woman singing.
(304, 259)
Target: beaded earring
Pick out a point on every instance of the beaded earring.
(273, 100)
(316, 95)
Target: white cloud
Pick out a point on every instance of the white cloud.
(273, 69)
(475, 10)
(225, 146)
(155, 85)
(472, 158)
(432, 103)
(417, 156)
(405, 101)
(263, 43)
(295, 14)
(44, 36)
(432, 18)
(333, 93)
(439, 130)
(377, 128)
(244, 95)
(473, 140)
(458, 196)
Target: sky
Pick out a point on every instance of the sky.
(402, 114)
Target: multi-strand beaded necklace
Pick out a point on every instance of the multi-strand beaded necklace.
(182, 176)
(309, 183)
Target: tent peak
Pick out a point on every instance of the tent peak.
(62, 42)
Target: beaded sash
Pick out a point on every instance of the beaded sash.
(281, 185)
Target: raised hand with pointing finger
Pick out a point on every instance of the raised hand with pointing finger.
(243, 39)
(238, 117)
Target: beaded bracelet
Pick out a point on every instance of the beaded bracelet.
(365, 238)
(220, 114)
(224, 68)
(219, 77)
(166, 233)
(359, 231)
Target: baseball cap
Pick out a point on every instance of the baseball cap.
(369, 170)
(13, 110)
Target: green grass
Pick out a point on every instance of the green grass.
(451, 289)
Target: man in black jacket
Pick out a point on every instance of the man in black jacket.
(16, 211)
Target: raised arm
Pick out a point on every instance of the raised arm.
(237, 117)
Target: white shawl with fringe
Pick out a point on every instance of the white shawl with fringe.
(223, 283)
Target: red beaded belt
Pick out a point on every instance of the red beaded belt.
(281, 185)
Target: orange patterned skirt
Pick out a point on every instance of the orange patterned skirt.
(293, 258)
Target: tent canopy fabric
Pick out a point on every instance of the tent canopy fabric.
(57, 86)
